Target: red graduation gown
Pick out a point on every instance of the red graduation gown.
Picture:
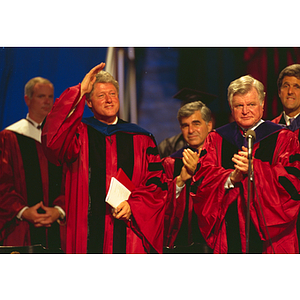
(277, 189)
(65, 139)
(13, 193)
(176, 208)
(295, 127)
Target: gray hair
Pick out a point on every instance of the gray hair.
(243, 85)
(190, 108)
(104, 77)
(28, 90)
(292, 70)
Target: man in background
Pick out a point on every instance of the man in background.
(176, 142)
(288, 85)
(181, 232)
(31, 191)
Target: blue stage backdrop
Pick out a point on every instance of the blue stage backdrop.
(64, 67)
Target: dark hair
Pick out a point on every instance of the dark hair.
(190, 108)
(292, 70)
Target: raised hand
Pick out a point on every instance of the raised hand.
(89, 79)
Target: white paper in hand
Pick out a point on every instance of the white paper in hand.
(117, 193)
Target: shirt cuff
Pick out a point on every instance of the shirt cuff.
(62, 213)
(19, 215)
(178, 190)
(228, 184)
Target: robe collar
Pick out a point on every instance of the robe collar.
(231, 132)
(25, 128)
(295, 125)
(179, 153)
(109, 130)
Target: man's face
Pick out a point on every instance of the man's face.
(41, 102)
(289, 94)
(104, 102)
(195, 129)
(246, 109)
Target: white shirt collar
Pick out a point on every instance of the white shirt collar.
(287, 118)
(253, 127)
(32, 121)
(114, 122)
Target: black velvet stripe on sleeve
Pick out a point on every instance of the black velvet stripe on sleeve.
(155, 166)
(266, 149)
(295, 157)
(289, 187)
(293, 171)
(228, 150)
(152, 151)
(157, 182)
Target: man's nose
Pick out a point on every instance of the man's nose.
(191, 128)
(290, 90)
(245, 109)
(48, 100)
(108, 98)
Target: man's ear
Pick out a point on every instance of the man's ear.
(27, 100)
(89, 103)
(209, 126)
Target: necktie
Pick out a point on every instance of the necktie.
(291, 120)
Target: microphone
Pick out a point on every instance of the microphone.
(250, 136)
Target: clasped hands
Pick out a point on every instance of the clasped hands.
(32, 215)
(190, 161)
(241, 165)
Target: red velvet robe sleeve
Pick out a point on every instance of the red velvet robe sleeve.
(175, 207)
(12, 178)
(59, 138)
(212, 200)
(64, 140)
(279, 205)
(279, 209)
(147, 200)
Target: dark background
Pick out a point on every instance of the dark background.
(160, 73)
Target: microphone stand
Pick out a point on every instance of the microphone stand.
(250, 183)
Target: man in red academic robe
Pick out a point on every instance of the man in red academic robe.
(288, 85)
(221, 198)
(181, 232)
(31, 193)
(94, 149)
